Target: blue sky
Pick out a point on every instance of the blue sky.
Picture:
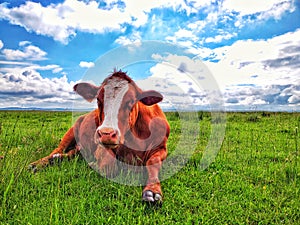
(250, 48)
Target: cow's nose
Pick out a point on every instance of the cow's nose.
(106, 131)
(108, 135)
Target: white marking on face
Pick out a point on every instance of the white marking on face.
(114, 91)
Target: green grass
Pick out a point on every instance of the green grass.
(255, 178)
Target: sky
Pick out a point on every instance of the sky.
(241, 54)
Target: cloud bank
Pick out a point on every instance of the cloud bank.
(27, 88)
(22, 84)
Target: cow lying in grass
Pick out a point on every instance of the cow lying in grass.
(128, 126)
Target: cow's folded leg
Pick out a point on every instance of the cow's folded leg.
(48, 160)
(39, 164)
(152, 191)
(71, 153)
(67, 142)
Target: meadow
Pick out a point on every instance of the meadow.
(255, 178)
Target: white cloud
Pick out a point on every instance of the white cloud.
(61, 21)
(19, 67)
(220, 38)
(295, 99)
(197, 25)
(15, 63)
(260, 73)
(21, 59)
(84, 64)
(52, 67)
(23, 43)
(57, 69)
(1, 44)
(26, 87)
(278, 10)
(259, 51)
(22, 84)
(135, 39)
(247, 7)
(255, 11)
(184, 37)
(186, 34)
(27, 52)
(185, 83)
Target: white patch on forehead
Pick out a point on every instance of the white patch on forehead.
(114, 91)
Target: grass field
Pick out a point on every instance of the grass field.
(255, 178)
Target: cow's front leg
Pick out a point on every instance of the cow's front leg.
(152, 191)
(68, 142)
(106, 162)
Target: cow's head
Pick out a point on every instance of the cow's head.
(118, 98)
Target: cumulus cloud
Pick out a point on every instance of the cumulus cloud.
(31, 89)
(272, 7)
(264, 74)
(273, 59)
(15, 63)
(23, 85)
(270, 95)
(1, 44)
(84, 64)
(22, 59)
(135, 39)
(23, 43)
(256, 11)
(27, 52)
(230, 14)
(219, 38)
(184, 82)
(62, 21)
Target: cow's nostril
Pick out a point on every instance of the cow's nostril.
(107, 133)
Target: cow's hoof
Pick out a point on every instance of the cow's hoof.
(149, 196)
(38, 165)
(33, 168)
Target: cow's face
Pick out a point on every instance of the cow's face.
(118, 109)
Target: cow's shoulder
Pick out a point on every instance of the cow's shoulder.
(87, 122)
(84, 130)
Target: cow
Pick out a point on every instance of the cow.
(127, 126)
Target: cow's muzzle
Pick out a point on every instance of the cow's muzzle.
(108, 137)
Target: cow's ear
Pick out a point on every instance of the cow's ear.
(150, 97)
(86, 90)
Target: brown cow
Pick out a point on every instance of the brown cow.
(127, 126)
